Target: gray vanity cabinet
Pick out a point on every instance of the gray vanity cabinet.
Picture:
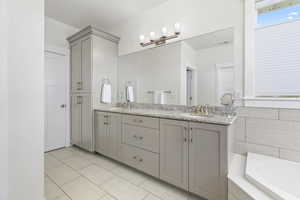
(81, 121)
(92, 52)
(81, 62)
(193, 157)
(108, 134)
(174, 152)
(207, 156)
(76, 81)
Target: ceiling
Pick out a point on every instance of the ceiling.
(211, 39)
(99, 13)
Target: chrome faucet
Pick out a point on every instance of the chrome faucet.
(202, 109)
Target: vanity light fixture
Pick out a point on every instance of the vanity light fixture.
(163, 38)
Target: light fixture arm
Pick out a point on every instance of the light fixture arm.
(161, 40)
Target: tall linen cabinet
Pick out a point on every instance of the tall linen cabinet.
(93, 58)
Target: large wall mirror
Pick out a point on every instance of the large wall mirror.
(194, 71)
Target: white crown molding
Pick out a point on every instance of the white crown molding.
(89, 30)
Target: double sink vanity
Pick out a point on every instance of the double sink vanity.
(177, 146)
(188, 151)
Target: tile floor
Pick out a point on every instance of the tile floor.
(73, 174)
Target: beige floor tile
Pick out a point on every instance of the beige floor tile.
(84, 154)
(52, 191)
(82, 189)
(108, 197)
(62, 154)
(123, 190)
(152, 197)
(65, 197)
(163, 190)
(51, 162)
(105, 163)
(77, 162)
(63, 174)
(96, 174)
(131, 175)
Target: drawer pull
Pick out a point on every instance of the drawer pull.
(138, 138)
(105, 123)
(79, 85)
(141, 160)
(105, 116)
(138, 121)
(134, 157)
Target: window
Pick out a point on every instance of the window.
(278, 13)
(277, 49)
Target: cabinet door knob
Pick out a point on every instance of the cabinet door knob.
(141, 138)
(141, 160)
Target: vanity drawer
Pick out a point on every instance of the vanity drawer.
(142, 160)
(141, 137)
(148, 122)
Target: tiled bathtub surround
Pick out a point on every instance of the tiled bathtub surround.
(269, 131)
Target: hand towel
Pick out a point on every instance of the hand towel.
(106, 93)
(129, 94)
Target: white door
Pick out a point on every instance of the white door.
(56, 99)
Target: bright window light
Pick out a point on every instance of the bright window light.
(278, 16)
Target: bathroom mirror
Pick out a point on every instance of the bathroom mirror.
(199, 70)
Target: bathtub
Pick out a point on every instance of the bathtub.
(279, 178)
(259, 177)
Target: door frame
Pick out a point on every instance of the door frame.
(218, 68)
(194, 88)
(64, 51)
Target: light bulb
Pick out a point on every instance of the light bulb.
(177, 28)
(142, 38)
(164, 32)
(152, 36)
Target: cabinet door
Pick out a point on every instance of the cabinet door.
(204, 160)
(101, 126)
(114, 136)
(76, 102)
(86, 71)
(87, 123)
(76, 81)
(174, 152)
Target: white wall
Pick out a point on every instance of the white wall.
(3, 105)
(152, 69)
(25, 75)
(197, 17)
(206, 63)
(56, 33)
(188, 60)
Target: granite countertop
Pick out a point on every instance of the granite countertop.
(165, 114)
